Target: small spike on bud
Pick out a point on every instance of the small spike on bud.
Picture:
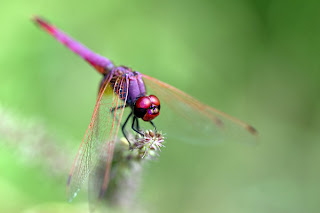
(151, 133)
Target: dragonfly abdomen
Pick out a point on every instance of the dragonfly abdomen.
(100, 63)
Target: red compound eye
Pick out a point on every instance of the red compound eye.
(147, 107)
(154, 100)
(143, 103)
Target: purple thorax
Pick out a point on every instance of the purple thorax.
(136, 85)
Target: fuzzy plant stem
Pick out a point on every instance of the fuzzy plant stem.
(31, 140)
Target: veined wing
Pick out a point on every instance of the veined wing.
(100, 63)
(198, 123)
(98, 142)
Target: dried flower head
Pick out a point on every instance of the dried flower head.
(150, 144)
(127, 166)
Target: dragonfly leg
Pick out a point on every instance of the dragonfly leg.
(123, 130)
(133, 126)
(116, 108)
(137, 124)
(155, 128)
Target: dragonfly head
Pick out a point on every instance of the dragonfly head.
(147, 107)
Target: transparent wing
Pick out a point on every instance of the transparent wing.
(98, 142)
(187, 119)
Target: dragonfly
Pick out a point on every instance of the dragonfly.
(122, 87)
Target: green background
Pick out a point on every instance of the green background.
(256, 60)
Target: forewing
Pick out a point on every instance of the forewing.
(98, 142)
(101, 174)
(190, 120)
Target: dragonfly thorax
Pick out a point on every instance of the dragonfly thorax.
(147, 107)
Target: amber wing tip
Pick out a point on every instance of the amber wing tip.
(252, 130)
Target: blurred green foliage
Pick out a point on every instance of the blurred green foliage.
(256, 60)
